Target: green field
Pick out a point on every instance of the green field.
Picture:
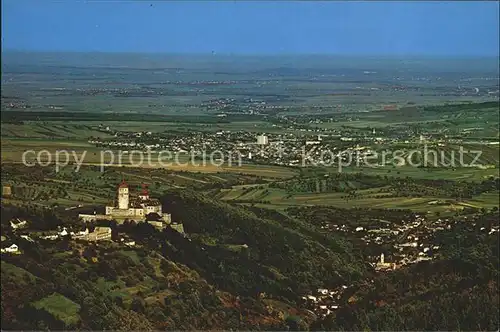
(280, 199)
(60, 307)
(53, 131)
(464, 173)
(62, 130)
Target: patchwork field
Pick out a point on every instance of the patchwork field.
(60, 307)
(382, 197)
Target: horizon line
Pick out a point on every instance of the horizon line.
(261, 54)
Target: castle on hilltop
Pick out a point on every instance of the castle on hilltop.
(139, 208)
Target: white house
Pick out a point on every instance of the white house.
(27, 238)
(323, 291)
(12, 249)
(64, 232)
(18, 223)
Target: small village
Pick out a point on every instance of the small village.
(412, 242)
(300, 146)
(90, 232)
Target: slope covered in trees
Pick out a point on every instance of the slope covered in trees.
(242, 268)
(236, 270)
(298, 257)
(457, 292)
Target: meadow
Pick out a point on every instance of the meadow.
(280, 200)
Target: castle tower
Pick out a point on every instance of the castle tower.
(123, 196)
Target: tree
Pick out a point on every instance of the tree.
(138, 305)
(295, 323)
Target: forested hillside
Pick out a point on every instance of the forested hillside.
(457, 292)
(240, 268)
(235, 270)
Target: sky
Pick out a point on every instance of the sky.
(392, 28)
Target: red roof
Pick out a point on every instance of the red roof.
(145, 189)
(123, 184)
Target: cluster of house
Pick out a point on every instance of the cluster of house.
(411, 241)
(280, 149)
(140, 208)
(325, 301)
(100, 233)
(16, 224)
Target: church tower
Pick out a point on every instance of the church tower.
(123, 196)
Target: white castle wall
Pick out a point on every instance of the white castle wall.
(123, 198)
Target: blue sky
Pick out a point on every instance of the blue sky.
(262, 27)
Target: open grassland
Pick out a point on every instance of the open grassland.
(460, 115)
(246, 183)
(454, 155)
(82, 130)
(60, 307)
(90, 186)
(280, 199)
(51, 130)
(94, 157)
(432, 173)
